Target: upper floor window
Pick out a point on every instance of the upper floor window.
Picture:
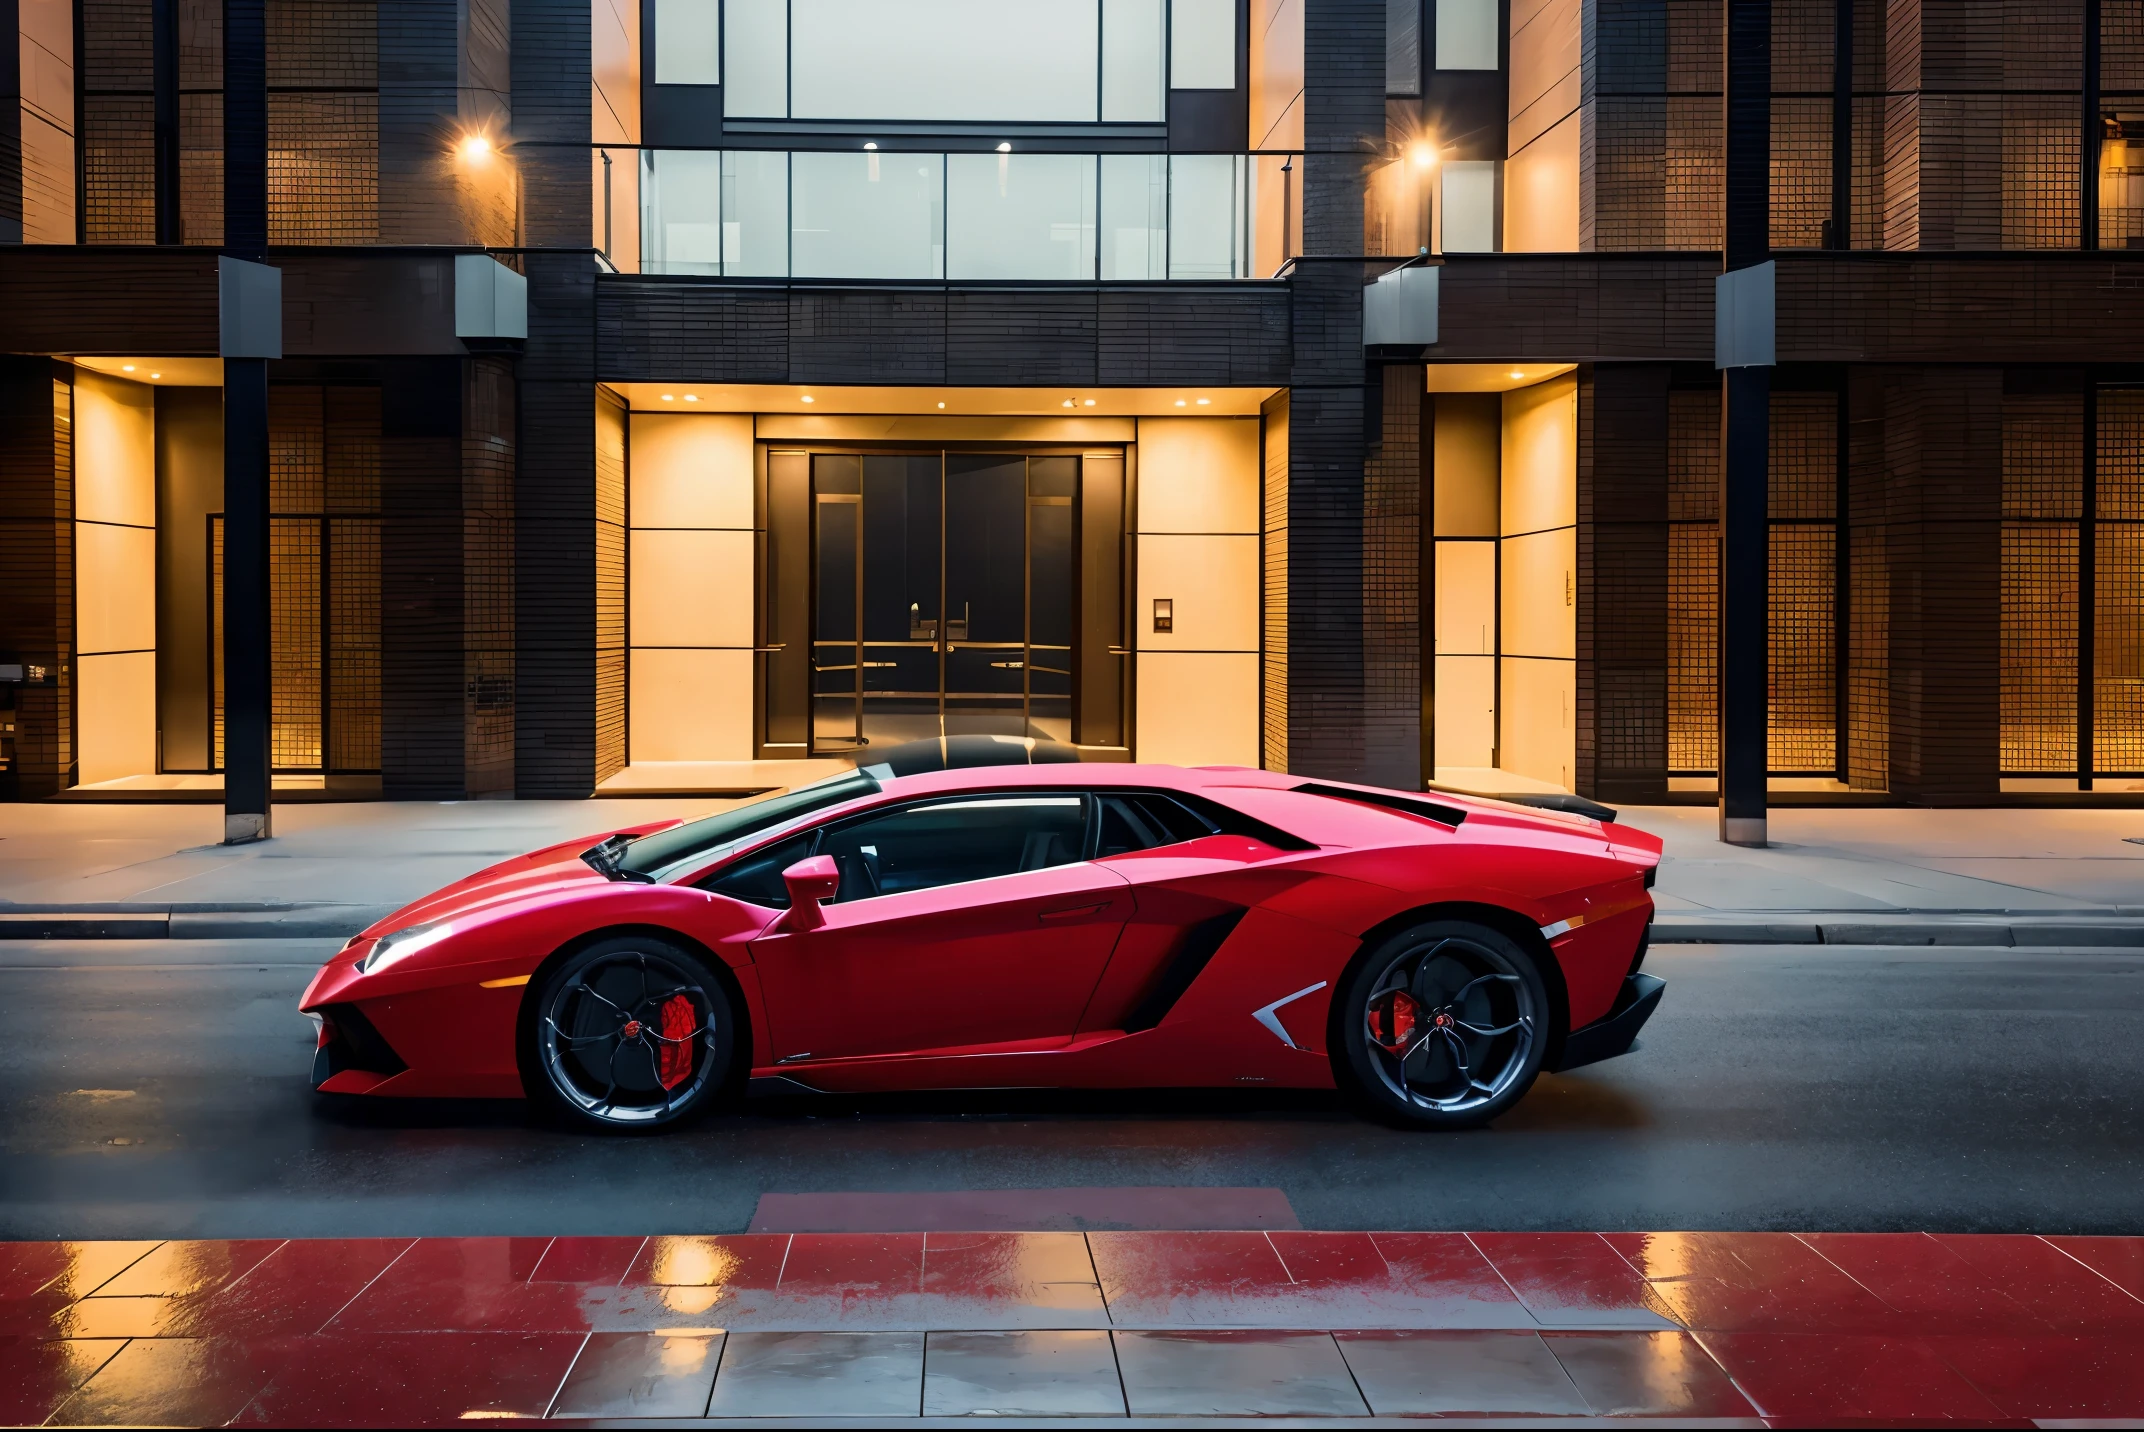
(691, 48)
(1034, 61)
(1467, 35)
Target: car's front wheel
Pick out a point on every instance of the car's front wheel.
(1442, 1025)
(629, 1033)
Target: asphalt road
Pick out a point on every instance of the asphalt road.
(158, 1089)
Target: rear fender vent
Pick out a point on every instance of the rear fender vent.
(1388, 800)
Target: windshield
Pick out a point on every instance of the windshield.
(654, 855)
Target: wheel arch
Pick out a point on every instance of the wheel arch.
(1520, 930)
(740, 1056)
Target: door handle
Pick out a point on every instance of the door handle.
(1071, 912)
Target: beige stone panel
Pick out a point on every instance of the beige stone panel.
(1540, 488)
(1466, 598)
(1467, 456)
(1544, 66)
(114, 587)
(1212, 583)
(1198, 475)
(115, 450)
(1197, 708)
(690, 587)
(116, 715)
(690, 470)
(1537, 733)
(1540, 576)
(1541, 192)
(690, 706)
(1466, 710)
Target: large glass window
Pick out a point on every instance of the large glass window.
(688, 42)
(1468, 196)
(757, 80)
(990, 215)
(945, 59)
(1020, 215)
(1202, 44)
(1132, 50)
(1467, 35)
(681, 212)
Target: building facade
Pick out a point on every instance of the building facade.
(895, 368)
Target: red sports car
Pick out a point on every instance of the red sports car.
(1015, 926)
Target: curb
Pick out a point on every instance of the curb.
(252, 922)
(1959, 932)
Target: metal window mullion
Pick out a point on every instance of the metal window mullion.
(2087, 582)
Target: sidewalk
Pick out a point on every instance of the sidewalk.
(1835, 875)
(1724, 1327)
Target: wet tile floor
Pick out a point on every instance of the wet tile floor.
(1782, 1328)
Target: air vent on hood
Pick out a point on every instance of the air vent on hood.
(1390, 800)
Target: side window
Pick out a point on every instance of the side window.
(950, 841)
(1141, 822)
(757, 879)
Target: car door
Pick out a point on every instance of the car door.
(971, 919)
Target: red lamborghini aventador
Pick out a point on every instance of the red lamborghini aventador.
(1015, 926)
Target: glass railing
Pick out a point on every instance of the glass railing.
(897, 215)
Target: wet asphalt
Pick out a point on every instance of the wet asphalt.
(158, 1089)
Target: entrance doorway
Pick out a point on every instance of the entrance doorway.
(948, 593)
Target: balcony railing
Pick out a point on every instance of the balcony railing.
(903, 215)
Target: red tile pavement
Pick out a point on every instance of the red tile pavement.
(1700, 1325)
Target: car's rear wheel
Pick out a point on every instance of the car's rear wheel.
(631, 1033)
(1442, 1025)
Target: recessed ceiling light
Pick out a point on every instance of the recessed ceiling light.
(1068, 402)
(1179, 402)
(1090, 402)
(669, 397)
(1204, 401)
(1517, 374)
(870, 144)
(126, 367)
(692, 397)
(807, 397)
(941, 405)
(1005, 148)
(156, 375)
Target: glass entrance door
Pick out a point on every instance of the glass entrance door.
(942, 597)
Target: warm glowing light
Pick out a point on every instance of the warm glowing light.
(692, 397)
(669, 397)
(1090, 402)
(1068, 402)
(870, 144)
(1005, 148)
(941, 405)
(475, 146)
(1179, 402)
(808, 398)
(1423, 154)
(1517, 374)
(156, 375)
(1204, 401)
(126, 367)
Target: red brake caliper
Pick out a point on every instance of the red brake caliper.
(679, 1025)
(1392, 1021)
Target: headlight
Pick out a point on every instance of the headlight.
(393, 947)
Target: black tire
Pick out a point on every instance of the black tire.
(631, 1034)
(1442, 1025)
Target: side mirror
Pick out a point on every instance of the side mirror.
(809, 882)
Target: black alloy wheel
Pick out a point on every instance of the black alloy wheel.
(1441, 1026)
(629, 1034)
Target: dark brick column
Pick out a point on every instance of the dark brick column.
(1393, 698)
(1622, 582)
(446, 579)
(1943, 537)
(37, 558)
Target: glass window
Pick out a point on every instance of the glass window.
(666, 849)
(688, 42)
(1019, 216)
(1202, 215)
(1135, 216)
(755, 214)
(1202, 43)
(945, 59)
(1466, 35)
(1132, 49)
(948, 842)
(1469, 202)
(757, 879)
(756, 33)
(867, 215)
(681, 218)
(1403, 46)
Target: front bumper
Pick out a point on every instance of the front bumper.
(1617, 1031)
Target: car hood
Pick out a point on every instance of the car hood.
(540, 874)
